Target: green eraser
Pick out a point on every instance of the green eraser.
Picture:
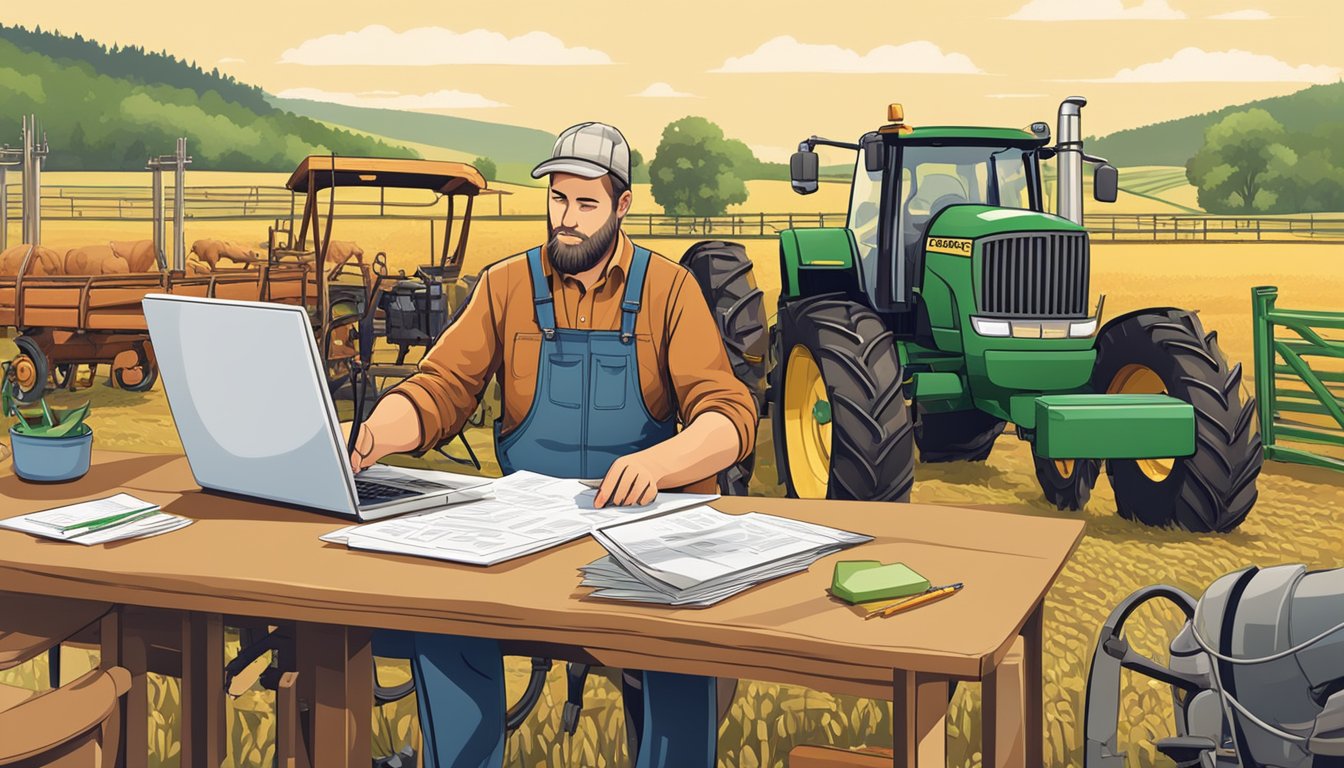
(861, 581)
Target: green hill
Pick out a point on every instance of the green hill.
(111, 108)
(1313, 110)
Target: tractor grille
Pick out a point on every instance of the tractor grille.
(1035, 275)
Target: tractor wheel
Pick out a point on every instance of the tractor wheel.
(723, 271)
(1168, 352)
(1067, 483)
(63, 375)
(139, 377)
(842, 427)
(956, 436)
(31, 369)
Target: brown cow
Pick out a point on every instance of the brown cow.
(45, 261)
(94, 260)
(210, 250)
(341, 251)
(140, 255)
(195, 266)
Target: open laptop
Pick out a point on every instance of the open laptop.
(249, 395)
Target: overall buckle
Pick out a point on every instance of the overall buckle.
(549, 333)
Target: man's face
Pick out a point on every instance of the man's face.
(583, 221)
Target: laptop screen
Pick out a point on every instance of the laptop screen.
(252, 409)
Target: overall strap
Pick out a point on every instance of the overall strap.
(634, 289)
(541, 294)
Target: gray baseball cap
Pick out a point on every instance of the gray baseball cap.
(589, 150)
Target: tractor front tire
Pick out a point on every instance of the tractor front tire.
(1168, 352)
(723, 271)
(956, 436)
(842, 427)
(1067, 483)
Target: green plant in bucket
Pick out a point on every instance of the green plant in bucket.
(41, 421)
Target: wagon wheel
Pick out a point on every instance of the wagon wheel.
(30, 370)
(139, 376)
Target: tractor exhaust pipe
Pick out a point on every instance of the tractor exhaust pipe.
(1069, 176)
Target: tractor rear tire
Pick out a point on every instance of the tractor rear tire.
(956, 436)
(1067, 484)
(723, 271)
(1167, 351)
(858, 443)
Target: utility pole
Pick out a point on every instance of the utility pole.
(177, 162)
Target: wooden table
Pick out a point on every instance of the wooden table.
(249, 558)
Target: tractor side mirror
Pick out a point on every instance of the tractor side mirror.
(874, 154)
(803, 171)
(1105, 183)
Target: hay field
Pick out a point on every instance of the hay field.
(1297, 520)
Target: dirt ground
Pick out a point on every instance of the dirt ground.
(1297, 520)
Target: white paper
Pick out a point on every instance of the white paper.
(527, 512)
(700, 555)
(47, 523)
(86, 511)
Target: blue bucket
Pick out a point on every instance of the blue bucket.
(51, 459)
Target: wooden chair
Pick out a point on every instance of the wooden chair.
(75, 725)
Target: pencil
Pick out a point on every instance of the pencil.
(918, 600)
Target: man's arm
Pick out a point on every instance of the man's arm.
(435, 402)
(716, 408)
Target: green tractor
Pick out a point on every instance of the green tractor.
(953, 304)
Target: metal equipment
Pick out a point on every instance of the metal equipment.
(1256, 673)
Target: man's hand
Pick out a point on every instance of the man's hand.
(393, 427)
(632, 480)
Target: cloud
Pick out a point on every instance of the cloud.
(785, 54)
(1015, 95)
(1249, 14)
(377, 45)
(1194, 65)
(230, 60)
(1095, 10)
(663, 91)
(444, 99)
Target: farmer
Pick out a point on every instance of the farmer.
(601, 349)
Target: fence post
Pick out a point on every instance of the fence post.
(1257, 229)
(1154, 227)
(1262, 307)
(1206, 229)
(762, 224)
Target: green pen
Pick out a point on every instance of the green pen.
(104, 522)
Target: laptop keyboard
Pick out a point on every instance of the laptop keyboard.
(372, 493)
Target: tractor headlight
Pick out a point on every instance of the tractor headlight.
(1083, 329)
(987, 327)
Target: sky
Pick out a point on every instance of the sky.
(770, 73)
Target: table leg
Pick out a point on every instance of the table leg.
(336, 665)
(1033, 671)
(135, 658)
(288, 740)
(919, 713)
(1001, 713)
(203, 724)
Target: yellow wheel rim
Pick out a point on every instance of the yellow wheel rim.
(1138, 379)
(1064, 467)
(807, 426)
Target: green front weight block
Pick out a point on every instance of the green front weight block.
(1113, 427)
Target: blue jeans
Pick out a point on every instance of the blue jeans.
(459, 682)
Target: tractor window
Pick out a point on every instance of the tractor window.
(865, 196)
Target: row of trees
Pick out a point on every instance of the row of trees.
(1250, 164)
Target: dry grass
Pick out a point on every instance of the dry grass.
(1297, 520)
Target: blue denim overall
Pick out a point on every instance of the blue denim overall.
(587, 411)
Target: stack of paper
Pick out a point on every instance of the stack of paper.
(527, 512)
(700, 556)
(96, 522)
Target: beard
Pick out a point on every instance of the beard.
(585, 254)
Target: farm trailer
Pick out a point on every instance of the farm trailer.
(952, 288)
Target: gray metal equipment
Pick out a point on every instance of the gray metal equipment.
(1256, 673)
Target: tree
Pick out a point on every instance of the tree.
(1243, 165)
(487, 167)
(693, 172)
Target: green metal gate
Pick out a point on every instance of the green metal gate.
(1298, 402)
